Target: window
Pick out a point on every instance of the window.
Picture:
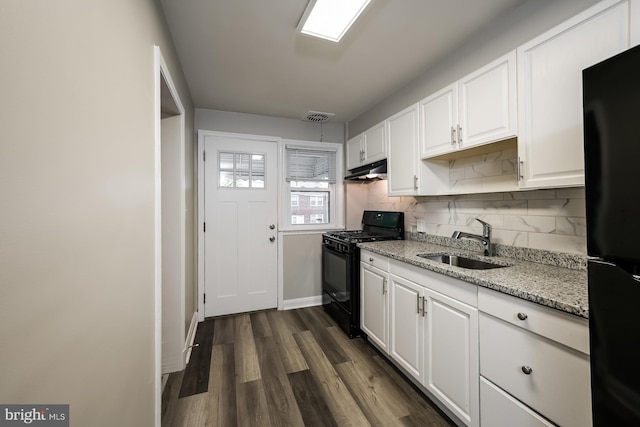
(241, 170)
(297, 219)
(317, 219)
(312, 184)
(317, 200)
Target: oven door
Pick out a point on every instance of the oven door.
(336, 275)
(340, 286)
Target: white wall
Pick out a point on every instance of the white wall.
(302, 269)
(77, 217)
(224, 121)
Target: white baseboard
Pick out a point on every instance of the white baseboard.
(290, 304)
(191, 335)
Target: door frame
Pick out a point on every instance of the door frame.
(162, 75)
(200, 220)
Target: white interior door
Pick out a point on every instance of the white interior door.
(240, 238)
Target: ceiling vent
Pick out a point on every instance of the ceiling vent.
(317, 117)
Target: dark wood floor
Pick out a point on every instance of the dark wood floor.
(289, 368)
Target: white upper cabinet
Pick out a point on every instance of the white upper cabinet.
(354, 151)
(476, 110)
(439, 122)
(368, 147)
(488, 103)
(402, 140)
(550, 134)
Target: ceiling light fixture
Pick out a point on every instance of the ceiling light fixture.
(330, 19)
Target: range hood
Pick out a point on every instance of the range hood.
(370, 172)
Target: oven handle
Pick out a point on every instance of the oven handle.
(334, 250)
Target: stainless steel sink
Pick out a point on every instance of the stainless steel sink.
(460, 261)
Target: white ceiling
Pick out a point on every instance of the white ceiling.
(246, 56)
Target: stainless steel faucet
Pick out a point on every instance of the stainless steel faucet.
(485, 238)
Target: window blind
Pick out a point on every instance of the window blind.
(304, 164)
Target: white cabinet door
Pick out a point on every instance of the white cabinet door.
(368, 147)
(500, 409)
(374, 304)
(375, 145)
(451, 355)
(487, 103)
(439, 122)
(402, 137)
(355, 152)
(406, 325)
(478, 109)
(550, 135)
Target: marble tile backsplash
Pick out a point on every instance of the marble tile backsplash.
(552, 220)
(487, 171)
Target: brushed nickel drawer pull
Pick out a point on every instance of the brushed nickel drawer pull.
(522, 316)
(527, 370)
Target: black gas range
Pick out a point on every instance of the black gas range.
(341, 265)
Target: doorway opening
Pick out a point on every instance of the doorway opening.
(170, 229)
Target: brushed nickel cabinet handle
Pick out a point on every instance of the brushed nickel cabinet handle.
(519, 168)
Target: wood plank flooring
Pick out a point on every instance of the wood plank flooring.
(290, 368)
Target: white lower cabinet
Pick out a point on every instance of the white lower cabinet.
(451, 355)
(374, 304)
(434, 337)
(407, 325)
(487, 358)
(528, 354)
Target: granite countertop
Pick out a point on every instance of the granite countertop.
(553, 286)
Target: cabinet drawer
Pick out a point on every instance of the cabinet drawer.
(558, 384)
(566, 329)
(379, 261)
(499, 409)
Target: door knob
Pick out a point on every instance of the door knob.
(272, 226)
(272, 239)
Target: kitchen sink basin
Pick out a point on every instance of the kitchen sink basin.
(460, 261)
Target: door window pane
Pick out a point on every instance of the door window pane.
(241, 170)
(226, 179)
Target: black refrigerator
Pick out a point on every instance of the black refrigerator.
(611, 99)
